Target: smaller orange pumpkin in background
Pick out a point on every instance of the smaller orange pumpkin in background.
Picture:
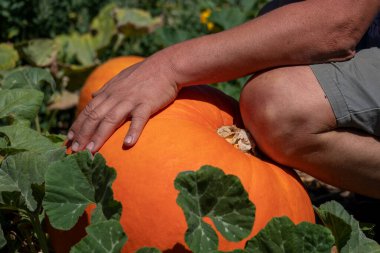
(182, 137)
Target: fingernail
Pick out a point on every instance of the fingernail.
(75, 146)
(129, 140)
(70, 135)
(90, 146)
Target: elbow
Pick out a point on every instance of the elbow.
(339, 49)
(342, 38)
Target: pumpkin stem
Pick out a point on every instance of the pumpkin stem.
(240, 138)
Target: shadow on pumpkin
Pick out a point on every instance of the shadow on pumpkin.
(178, 248)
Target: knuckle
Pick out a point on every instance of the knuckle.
(90, 112)
(82, 136)
(112, 118)
(139, 116)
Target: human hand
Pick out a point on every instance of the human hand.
(136, 93)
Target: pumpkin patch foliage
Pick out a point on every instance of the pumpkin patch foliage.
(54, 201)
(38, 181)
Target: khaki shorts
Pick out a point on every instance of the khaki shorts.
(353, 90)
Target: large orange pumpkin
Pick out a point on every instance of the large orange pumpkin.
(183, 137)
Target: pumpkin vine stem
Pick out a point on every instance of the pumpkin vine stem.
(37, 123)
(34, 219)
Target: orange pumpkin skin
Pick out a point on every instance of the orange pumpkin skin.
(183, 137)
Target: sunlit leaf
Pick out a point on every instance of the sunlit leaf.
(104, 27)
(39, 52)
(8, 56)
(136, 21)
(20, 103)
(73, 183)
(19, 172)
(28, 77)
(23, 138)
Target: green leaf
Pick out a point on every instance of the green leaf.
(3, 142)
(101, 178)
(169, 36)
(73, 183)
(104, 26)
(19, 172)
(56, 138)
(23, 138)
(20, 103)
(8, 56)
(208, 192)
(39, 52)
(148, 250)
(28, 77)
(233, 251)
(346, 230)
(3, 241)
(136, 21)
(107, 236)
(280, 235)
(228, 17)
(67, 193)
(76, 49)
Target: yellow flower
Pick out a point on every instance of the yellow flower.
(210, 26)
(204, 16)
(204, 19)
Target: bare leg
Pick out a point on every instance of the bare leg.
(286, 111)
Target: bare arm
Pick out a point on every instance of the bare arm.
(300, 33)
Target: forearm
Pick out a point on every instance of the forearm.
(301, 33)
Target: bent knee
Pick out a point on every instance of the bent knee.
(283, 108)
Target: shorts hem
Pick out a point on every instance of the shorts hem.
(328, 81)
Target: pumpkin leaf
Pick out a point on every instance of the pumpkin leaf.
(101, 178)
(148, 250)
(228, 17)
(169, 36)
(3, 142)
(73, 183)
(104, 26)
(346, 230)
(39, 52)
(132, 21)
(106, 236)
(20, 171)
(8, 56)
(76, 49)
(280, 235)
(20, 103)
(56, 138)
(208, 192)
(22, 138)
(28, 77)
